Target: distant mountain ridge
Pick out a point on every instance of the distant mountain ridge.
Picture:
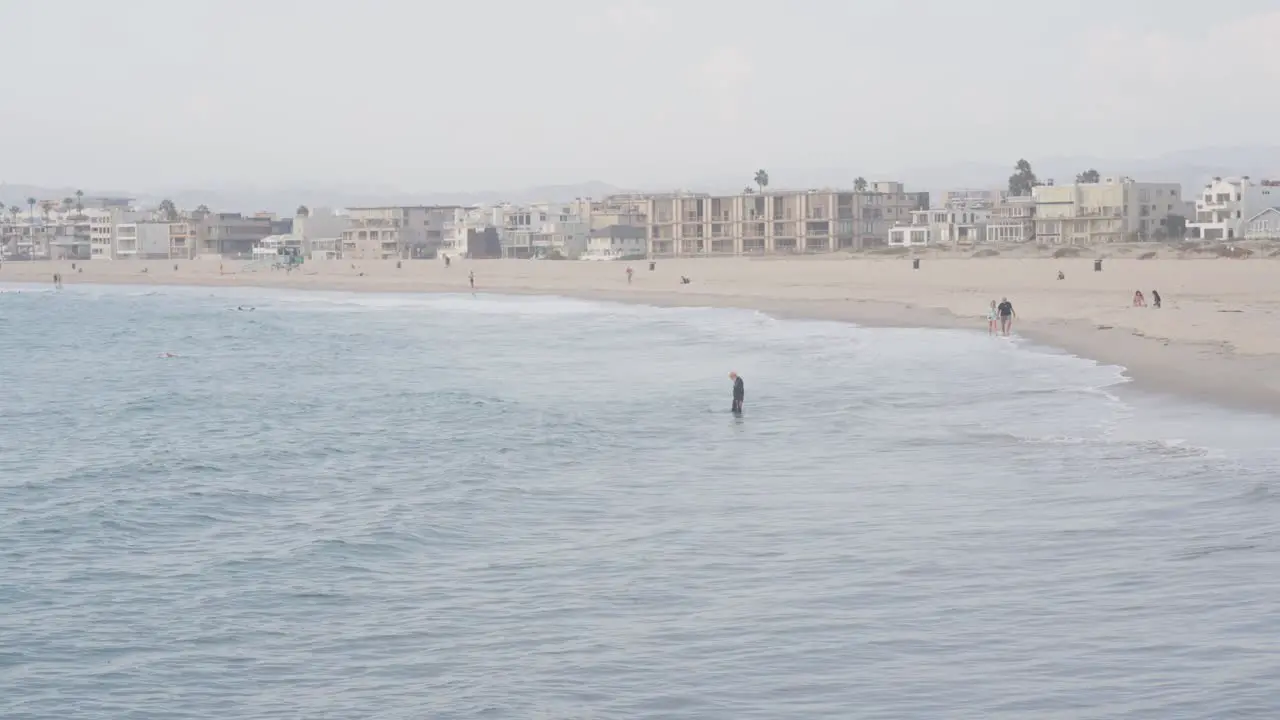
(1191, 168)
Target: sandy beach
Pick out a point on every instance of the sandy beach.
(1217, 337)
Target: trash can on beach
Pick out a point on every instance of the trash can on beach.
(1097, 265)
(652, 264)
(915, 264)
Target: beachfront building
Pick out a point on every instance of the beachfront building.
(1012, 220)
(103, 223)
(1225, 205)
(142, 240)
(909, 235)
(544, 229)
(230, 235)
(627, 209)
(812, 221)
(319, 232)
(963, 224)
(1263, 226)
(395, 231)
(617, 242)
(1117, 209)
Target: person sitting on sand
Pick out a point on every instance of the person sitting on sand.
(1138, 300)
(1155, 298)
(684, 280)
(1062, 275)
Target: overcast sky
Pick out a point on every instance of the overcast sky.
(432, 96)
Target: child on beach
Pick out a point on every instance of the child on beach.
(991, 319)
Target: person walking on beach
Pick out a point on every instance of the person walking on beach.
(991, 318)
(629, 271)
(471, 278)
(1155, 298)
(739, 393)
(1005, 310)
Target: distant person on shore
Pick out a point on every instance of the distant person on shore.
(1138, 300)
(1155, 298)
(447, 261)
(1005, 310)
(629, 272)
(739, 393)
(991, 318)
(471, 278)
(684, 280)
(1062, 275)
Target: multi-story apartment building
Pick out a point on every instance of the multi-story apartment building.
(230, 234)
(1114, 210)
(778, 221)
(1012, 220)
(396, 231)
(1225, 205)
(623, 209)
(544, 229)
(102, 229)
(142, 240)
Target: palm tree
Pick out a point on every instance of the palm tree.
(80, 201)
(31, 212)
(45, 207)
(762, 179)
(13, 212)
(859, 184)
(748, 190)
(303, 211)
(67, 204)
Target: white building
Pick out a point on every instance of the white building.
(1263, 226)
(965, 226)
(909, 236)
(1113, 210)
(616, 242)
(319, 233)
(1012, 220)
(1226, 204)
(142, 240)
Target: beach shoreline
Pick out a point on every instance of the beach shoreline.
(1193, 348)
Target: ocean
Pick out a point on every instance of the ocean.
(400, 507)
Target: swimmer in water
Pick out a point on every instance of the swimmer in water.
(167, 355)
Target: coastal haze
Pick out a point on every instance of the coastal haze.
(372, 359)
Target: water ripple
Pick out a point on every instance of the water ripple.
(454, 507)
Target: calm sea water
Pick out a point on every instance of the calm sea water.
(342, 506)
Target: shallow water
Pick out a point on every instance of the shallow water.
(364, 506)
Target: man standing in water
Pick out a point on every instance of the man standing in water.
(1005, 309)
(739, 392)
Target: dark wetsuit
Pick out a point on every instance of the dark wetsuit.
(739, 393)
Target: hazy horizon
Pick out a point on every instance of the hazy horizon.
(146, 95)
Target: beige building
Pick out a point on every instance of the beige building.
(777, 221)
(395, 231)
(1012, 220)
(1114, 210)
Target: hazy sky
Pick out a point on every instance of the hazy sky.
(141, 94)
